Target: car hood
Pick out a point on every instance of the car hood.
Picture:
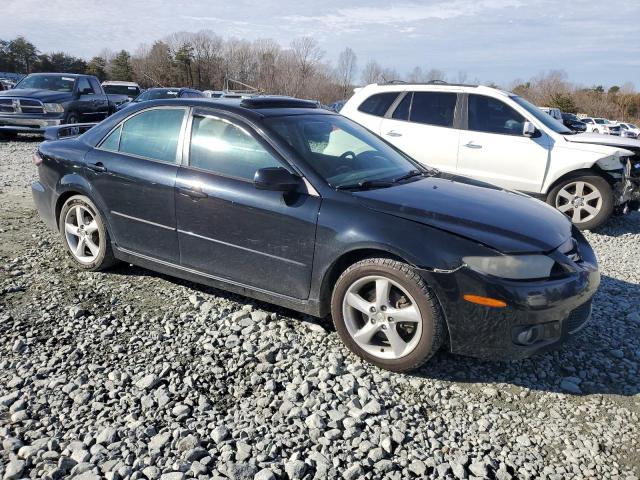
(597, 139)
(507, 221)
(48, 96)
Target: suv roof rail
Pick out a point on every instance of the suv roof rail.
(430, 82)
(277, 102)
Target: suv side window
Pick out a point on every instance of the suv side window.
(402, 110)
(490, 115)
(95, 85)
(433, 108)
(152, 134)
(378, 104)
(221, 147)
(84, 87)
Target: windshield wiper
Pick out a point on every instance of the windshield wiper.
(416, 173)
(366, 185)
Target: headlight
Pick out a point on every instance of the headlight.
(515, 267)
(53, 107)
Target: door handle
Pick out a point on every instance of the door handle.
(193, 192)
(472, 145)
(393, 133)
(97, 167)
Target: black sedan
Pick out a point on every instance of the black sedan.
(162, 93)
(573, 123)
(285, 202)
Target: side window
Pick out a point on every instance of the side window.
(153, 134)
(433, 108)
(112, 142)
(221, 147)
(402, 110)
(94, 85)
(378, 104)
(491, 115)
(84, 88)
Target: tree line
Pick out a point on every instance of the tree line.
(204, 60)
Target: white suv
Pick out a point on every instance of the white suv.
(502, 139)
(601, 125)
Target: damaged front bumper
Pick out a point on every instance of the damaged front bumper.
(627, 189)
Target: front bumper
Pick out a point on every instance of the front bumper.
(555, 308)
(27, 124)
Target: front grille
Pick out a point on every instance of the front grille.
(20, 105)
(578, 317)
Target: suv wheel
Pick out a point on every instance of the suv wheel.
(386, 314)
(84, 234)
(587, 200)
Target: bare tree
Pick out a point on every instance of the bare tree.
(346, 69)
(372, 73)
(306, 56)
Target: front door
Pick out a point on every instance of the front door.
(229, 229)
(422, 126)
(493, 148)
(133, 172)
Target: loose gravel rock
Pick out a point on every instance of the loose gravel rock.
(129, 374)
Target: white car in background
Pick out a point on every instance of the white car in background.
(629, 130)
(502, 139)
(601, 125)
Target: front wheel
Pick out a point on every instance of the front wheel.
(587, 200)
(386, 314)
(84, 234)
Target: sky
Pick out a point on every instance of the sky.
(594, 42)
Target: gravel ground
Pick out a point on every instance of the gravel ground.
(131, 374)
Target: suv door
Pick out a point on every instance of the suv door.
(422, 125)
(133, 173)
(230, 230)
(493, 148)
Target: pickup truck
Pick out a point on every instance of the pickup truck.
(43, 100)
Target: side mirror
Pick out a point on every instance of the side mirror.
(276, 179)
(529, 130)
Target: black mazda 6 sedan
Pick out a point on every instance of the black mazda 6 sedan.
(282, 201)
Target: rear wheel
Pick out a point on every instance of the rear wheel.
(72, 117)
(8, 136)
(587, 200)
(84, 234)
(386, 314)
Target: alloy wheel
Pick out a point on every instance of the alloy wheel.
(82, 234)
(382, 317)
(579, 200)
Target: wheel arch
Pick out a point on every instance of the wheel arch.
(593, 170)
(76, 185)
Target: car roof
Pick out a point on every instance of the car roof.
(254, 108)
(431, 87)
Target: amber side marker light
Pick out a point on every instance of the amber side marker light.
(486, 301)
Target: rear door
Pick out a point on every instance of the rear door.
(229, 229)
(133, 172)
(493, 148)
(422, 125)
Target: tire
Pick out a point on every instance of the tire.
(72, 117)
(596, 131)
(79, 223)
(421, 333)
(572, 200)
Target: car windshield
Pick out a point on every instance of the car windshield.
(546, 119)
(570, 116)
(57, 83)
(129, 91)
(345, 154)
(601, 121)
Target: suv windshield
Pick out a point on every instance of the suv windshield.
(546, 119)
(345, 154)
(129, 91)
(57, 83)
(601, 121)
